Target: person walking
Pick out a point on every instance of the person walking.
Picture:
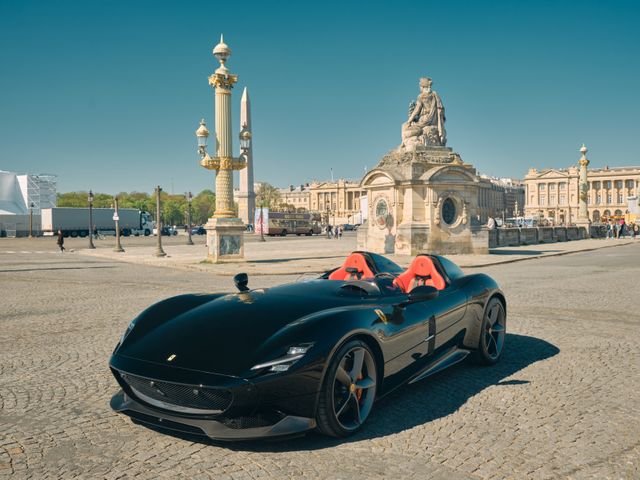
(635, 229)
(60, 241)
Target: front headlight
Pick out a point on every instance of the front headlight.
(282, 364)
(127, 331)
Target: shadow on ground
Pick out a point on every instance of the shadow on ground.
(420, 403)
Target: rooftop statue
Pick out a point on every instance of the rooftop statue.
(425, 126)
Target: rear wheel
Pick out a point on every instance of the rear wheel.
(492, 333)
(284, 233)
(348, 390)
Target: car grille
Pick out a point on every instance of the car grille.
(179, 397)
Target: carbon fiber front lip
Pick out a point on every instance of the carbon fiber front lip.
(213, 429)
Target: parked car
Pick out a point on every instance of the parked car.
(166, 231)
(276, 361)
(198, 231)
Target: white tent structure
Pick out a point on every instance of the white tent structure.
(19, 194)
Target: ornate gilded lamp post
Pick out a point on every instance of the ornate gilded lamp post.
(189, 199)
(224, 231)
(583, 191)
(90, 198)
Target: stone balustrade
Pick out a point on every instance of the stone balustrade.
(509, 237)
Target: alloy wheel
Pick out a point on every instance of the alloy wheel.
(354, 388)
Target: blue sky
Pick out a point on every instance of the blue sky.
(108, 94)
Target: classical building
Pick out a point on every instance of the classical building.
(296, 197)
(338, 202)
(553, 193)
(500, 198)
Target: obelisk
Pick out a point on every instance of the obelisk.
(246, 195)
(583, 191)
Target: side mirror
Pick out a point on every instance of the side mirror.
(422, 293)
(241, 280)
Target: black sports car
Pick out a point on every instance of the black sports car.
(313, 354)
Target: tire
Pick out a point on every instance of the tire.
(309, 233)
(283, 233)
(74, 234)
(343, 407)
(83, 234)
(147, 232)
(492, 334)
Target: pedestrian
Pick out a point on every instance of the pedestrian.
(329, 233)
(61, 241)
(610, 229)
(491, 223)
(623, 229)
(636, 230)
(336, 234)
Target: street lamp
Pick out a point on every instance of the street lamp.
(189, 199)
(91, 245)
(245, 139)
(202, 133)
(116, 217)
(31, 220)
(159, 250)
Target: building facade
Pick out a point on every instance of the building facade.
(338, 202)
(553, 193)
(500, 198)
(295, 198)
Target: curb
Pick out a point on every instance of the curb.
(196, 266)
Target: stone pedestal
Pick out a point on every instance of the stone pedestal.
(225, 240)
(584, 224)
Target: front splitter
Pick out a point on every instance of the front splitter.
(289, 425)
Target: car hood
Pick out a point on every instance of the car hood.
(227, 335)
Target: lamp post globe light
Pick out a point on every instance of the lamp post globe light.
(224, 230)
(189, 199)
(90, 199)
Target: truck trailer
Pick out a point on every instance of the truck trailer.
(74, 222)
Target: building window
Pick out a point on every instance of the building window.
(607, 184)
(618, 183)
(552, 187)
(542, 200)
(562, 186)
(609, 198)
(552, 199)
(541, 187)
(598, 198)
(563, 199)
(620, 198)
(596, 185)
(629, 184)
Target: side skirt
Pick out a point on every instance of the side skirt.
(448, 358)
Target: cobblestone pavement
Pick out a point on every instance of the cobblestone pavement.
(564, 402)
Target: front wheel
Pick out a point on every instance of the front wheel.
(348, 390)
(492, 333)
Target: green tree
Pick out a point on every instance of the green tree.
(267, 195)
(204, 204)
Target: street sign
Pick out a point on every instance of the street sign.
(116, 218)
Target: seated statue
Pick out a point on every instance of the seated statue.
(426, 120)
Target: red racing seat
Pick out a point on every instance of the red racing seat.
(422, 271)
(354, 261)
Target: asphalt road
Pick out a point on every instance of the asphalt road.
(563, 403)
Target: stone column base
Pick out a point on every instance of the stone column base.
(225, 240)
(586, 224)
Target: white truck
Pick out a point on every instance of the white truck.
(74, 222)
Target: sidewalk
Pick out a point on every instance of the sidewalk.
(290, 256)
